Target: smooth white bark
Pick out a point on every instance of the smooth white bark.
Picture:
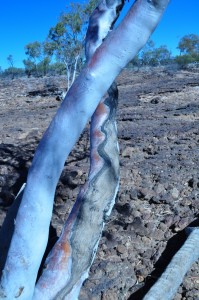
(60, 265)
(33, 219)
(166, 287)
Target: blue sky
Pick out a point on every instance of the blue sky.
(25, 21)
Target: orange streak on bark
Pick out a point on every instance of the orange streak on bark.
(96, 157)
(98, 134)
(101, 109)
(61, 253)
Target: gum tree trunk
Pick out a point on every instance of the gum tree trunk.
(33, 219)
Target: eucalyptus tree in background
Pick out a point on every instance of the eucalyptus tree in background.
(10, 60)
(152, 56)
(65, 40)
(38, 61)
(12, 72)
(43, 66)
(64, 44)
(33, 52)
(29, 67)
(189, 50)
(189, 44)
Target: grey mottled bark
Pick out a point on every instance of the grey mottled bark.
(69, 261)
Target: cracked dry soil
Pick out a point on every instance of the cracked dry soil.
(158, 130)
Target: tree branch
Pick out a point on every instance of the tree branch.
(32, 223)
(68, 264)
(166, 287)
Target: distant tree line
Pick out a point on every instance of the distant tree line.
(152, 56)
(62, 51)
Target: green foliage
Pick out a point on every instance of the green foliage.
(135, 62)
(33, 50)
(57, 68)
(183, 60)
(43, 66)
(189, 49)
(89, 7)
(151, 56)
(38, 60)
(63, 51)
(49, 48)
(64, 44)
(186, 59)
(10, 60)
(189, 44)
(163, 55)
(12, 72)
(156, 56)
(65, 39)
(30, 68)
(150, 45)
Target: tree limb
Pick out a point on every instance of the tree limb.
(32, 223)
(166, 287)
(68, 264)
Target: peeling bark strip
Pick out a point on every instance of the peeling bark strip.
(101, 22)
(166, 287)
(69, 262)
(32, 223)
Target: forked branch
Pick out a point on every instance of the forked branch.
(32, 223)
(69, 262)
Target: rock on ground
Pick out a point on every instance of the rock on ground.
(158, 129)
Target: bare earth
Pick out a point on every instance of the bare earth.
(158, 129)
